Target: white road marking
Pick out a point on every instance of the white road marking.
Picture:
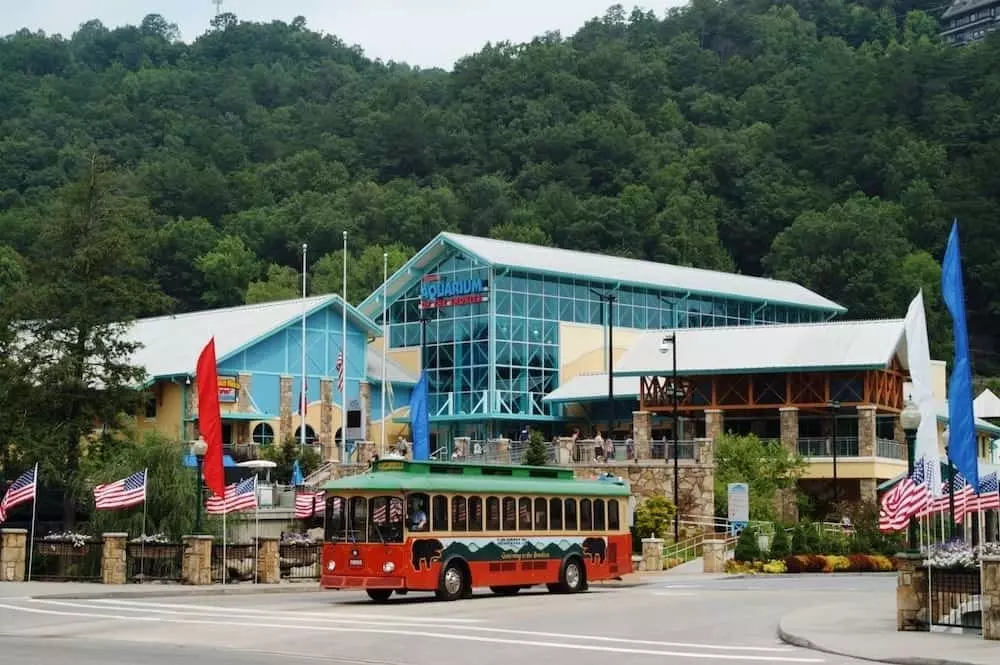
(681, 586)
(442, 636)
(296, 623)
(675, 594)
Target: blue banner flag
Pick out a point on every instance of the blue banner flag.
(419, 420)
(961, 421)
(297, 479)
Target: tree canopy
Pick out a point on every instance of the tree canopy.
(827, 141)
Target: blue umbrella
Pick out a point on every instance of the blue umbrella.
(297, 478)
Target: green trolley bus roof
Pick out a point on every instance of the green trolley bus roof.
(418, 476)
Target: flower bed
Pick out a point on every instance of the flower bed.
(815, 563)
(956, 555)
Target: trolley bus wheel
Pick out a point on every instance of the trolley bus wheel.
(379, 595)
(572, 577)
(505, 590)
(453, 582)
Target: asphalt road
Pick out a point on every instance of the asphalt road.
(678, 621)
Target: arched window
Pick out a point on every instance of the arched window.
(263, 434)
(311, 438)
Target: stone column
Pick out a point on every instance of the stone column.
(565, 451)
(285, 429)
(113, 564)
(866, 430)
(868, 490)
(363, 451)
(789, 416)
(714, 425)
(714, 556)
(991, 597)
(196, 568)
(366, 412)
(503, 451)
(326, 437)
(268, 561)
(243, 403)
(642, 430)
(911, 593)
(652, 555)
(190, 411)
(898, 433)
(13, 554)
(701, 486)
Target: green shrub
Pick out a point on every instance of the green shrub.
(747, 548)
(813, 539)
(799, 543)
(536, 453)
(780, 545)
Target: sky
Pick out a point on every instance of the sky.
(428, 33)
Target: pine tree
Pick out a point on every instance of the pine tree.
(747, 547)
(536, 453)
(780, 546)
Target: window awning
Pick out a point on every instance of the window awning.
(240, 415)
(227, 461)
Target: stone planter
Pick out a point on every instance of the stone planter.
(62, 548)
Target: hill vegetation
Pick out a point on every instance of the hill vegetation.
(823, 141)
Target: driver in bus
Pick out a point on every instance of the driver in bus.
(419, 517)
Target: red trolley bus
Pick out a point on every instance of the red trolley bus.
(447, 527)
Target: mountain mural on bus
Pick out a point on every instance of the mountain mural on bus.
(427, 551)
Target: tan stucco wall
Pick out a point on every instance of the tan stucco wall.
(169, 407)
(939, 379)
(582, 348)
(856, 468)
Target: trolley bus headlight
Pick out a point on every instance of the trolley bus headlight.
(388, 567)
(331, 565)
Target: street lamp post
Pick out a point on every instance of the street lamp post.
(198, 449)
(952, 527)
(669, 344)
(834, 408)
(909, 419)
(610, 298)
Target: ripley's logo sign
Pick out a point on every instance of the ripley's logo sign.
(435, 292)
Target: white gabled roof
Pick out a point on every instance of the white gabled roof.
(772, 348)
(593, 387)
(987, 405)
(393, 372)
(647, 273)
(171, 344)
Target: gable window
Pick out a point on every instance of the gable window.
(263, 434)
(311, 438)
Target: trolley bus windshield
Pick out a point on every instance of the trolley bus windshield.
(364, 519)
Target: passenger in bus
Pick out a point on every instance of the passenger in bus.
(419, 522)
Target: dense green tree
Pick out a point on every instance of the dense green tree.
(282, 283)
(764, 466)
(228, 271)
(535, 454)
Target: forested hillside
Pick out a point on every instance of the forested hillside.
(823, 141)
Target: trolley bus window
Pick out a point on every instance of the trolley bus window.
(335, 522)
(524, 514)
(417, 507)
(386, 520)
(614, 519)
(492, 513)
(459, 514)
(586, 516)
(555, 514)
(599, 514)
(357, 519)
(509, 513)
(475, 513)
(439, 513)
(571, 514)
(541, 515)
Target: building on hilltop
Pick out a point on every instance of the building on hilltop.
(968, 21)
(499, 325)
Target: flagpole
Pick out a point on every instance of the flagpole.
(302, 391)
(142, 543)
(385, 347)
(225, 564)
(343, 346)
(256, 558)
(34, 516)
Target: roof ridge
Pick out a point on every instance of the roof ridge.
(803, 324)
(458, 236)
(218, 310)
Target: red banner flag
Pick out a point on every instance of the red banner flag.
(210, 419)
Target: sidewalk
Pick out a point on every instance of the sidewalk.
(866, 629)
(82, 590)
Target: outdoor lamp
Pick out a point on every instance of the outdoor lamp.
(667, 344)
(198, 449)
(909, 417)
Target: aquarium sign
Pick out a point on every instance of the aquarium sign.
(436, 292)
(229, 389)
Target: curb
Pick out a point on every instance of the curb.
(798, 641)
(181, 593)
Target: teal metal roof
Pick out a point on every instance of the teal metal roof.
(476, 479)
(597, 267)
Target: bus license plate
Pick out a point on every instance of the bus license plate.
(356, 562)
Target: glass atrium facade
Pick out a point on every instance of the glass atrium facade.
(497, 359)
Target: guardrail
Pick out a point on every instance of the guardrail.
(823, 447)
(890, 449)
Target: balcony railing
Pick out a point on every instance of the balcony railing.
(823, 447)
(890, 449)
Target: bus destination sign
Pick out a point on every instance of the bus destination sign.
(436, 292)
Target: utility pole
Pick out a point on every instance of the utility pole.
(218, 6)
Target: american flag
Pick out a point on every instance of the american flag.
(395, 510)
(308, 504)
(122, 493)
(378, 515)
(891, 510)
(989, 492)
(21, 491)
(340, 371)
(239, 496)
